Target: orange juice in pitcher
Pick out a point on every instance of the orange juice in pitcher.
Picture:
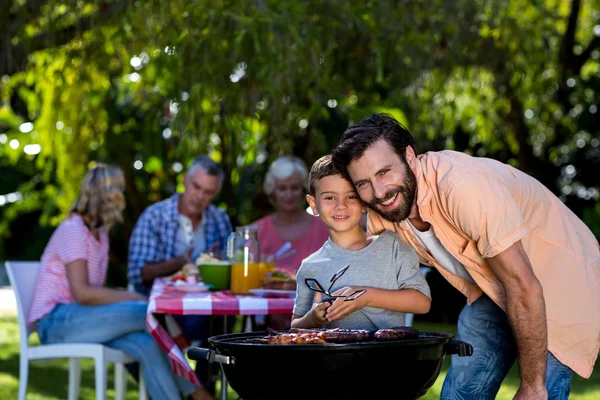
(244, 253)
(245, 277)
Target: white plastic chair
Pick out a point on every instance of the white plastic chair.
(22, 276)
(408, 318)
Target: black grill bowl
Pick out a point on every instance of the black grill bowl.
(361, 370)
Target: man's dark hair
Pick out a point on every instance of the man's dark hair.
(362, 135)
(320, 169)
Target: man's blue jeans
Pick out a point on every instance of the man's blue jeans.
(120, 326)
(485, 326)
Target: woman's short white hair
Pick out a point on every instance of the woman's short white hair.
(283, 168)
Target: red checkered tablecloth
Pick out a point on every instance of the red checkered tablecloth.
(168, 300)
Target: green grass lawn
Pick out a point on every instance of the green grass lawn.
(50, 380)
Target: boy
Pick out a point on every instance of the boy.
(385, 267)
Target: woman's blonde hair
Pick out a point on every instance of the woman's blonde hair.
(101, 200)
(283, 168)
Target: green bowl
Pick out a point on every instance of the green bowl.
(217, 274)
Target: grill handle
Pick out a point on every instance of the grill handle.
(462, 349)
(199, 353)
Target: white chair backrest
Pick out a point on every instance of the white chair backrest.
(22, 276)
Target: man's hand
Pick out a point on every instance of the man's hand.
(152, 271)
(187, 257)
(340, 308)
(213, 249)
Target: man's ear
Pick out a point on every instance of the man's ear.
(312, 202)
(411, 158)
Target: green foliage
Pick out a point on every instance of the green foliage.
(246, 81)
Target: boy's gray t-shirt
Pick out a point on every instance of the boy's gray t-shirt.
(386, 263)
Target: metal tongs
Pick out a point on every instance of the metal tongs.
(315, 286)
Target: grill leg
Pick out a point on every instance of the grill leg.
(224, 385)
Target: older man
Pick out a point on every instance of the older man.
(172, 232)
(530, 269)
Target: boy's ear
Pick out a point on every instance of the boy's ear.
(312, 202)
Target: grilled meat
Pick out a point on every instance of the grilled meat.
(397, 333)
(338, 335)
(295, 338)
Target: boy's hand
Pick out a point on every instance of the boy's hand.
(318, 310)
(340, 308)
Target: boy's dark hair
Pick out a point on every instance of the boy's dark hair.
(360, 136)
(320, 169)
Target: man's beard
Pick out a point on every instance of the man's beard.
(407, 198)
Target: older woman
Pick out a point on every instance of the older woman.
(286, 185)
(71, 303)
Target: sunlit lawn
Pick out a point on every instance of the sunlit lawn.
(582, 389)
(50, 380)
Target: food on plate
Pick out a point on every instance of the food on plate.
(185, 274)
(339, 335)
(189, 269)
(178, 276)
(279, 280)
(281, 274)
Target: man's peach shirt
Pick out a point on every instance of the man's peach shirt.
(479, 207)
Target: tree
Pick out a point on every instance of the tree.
(150, 84)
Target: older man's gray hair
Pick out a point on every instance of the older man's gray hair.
(207, 165)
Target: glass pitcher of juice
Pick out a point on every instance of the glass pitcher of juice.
(243, 252)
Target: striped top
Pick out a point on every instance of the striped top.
(71, 241)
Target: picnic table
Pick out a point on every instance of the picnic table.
(166, 301)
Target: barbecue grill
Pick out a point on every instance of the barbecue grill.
(356, 370)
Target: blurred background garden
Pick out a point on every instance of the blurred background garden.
(148, 85)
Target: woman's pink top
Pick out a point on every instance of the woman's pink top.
(71, 241)
(270, 241)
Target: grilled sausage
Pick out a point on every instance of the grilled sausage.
(397, 333)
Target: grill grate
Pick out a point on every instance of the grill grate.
(263, 340)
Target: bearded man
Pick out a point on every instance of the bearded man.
(529, 267)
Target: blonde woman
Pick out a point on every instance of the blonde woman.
(71, 303)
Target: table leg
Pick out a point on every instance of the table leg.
(224, 384)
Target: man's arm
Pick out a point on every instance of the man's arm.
(165, 268)
(144, 260)
(526, 313)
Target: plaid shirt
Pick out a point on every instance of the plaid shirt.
(154, 237)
